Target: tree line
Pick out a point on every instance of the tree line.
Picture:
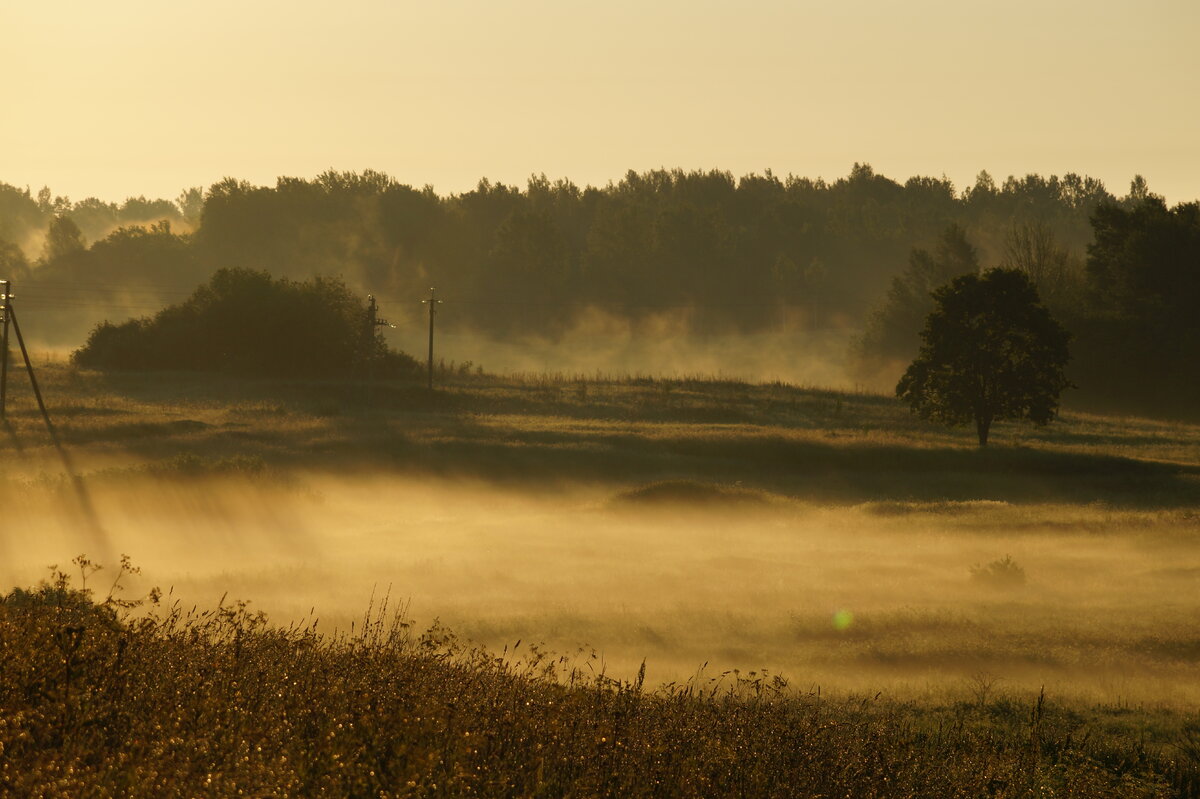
(664, 238)
(741, 254)
(1129, 304)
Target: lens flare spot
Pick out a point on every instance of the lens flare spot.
(842, 620)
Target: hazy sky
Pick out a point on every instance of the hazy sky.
(131, 97)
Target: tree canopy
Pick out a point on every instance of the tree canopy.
(990, 351)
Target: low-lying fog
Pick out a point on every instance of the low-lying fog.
(665, 345)
(845, 598)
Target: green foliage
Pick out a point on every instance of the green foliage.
(249, 323)
(990, 351)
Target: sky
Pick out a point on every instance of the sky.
(131, 97)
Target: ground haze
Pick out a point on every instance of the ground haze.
(695, 525)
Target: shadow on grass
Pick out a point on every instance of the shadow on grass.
(816, 471)
(403, 426)
(460, 445)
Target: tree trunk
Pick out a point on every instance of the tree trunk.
(982, 426)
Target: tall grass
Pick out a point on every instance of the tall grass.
(178, 702)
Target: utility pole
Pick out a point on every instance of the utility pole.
(37, 391)
(373, 321)
(432, 303)
(6, 297)
(85, 500)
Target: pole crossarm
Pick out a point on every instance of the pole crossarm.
(373, 321)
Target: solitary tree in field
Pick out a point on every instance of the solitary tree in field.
(990, 351)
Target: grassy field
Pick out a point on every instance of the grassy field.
(709, 529)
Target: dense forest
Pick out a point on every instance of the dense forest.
(857, 255)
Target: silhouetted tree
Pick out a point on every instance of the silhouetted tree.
(1143, 291)
(990, 351)
(1145, 260)
(13, 264)
(95, 218)
(62, 239)
(1031, 248)
(892, 329)
(190, 203)
(20, 215)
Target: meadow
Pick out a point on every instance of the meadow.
(720, 566)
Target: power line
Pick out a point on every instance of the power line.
(69, 290)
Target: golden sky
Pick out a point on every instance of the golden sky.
(131, 97)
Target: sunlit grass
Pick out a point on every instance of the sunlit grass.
(178, 702)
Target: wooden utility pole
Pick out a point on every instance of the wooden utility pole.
(373, 321)
(37, 392)
(6, 297)
(85, 500)
(433, 301)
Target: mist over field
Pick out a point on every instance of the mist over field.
(618, 400)
(847, 598)
(820, 535)
(664, 345)
(695, 506)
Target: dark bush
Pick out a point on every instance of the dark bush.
(247, 322)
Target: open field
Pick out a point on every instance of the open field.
(496, 506)
(698, 526)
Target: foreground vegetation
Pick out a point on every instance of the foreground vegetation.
(94, 701)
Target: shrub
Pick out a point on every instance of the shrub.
(247, 322)
(1005, 573)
